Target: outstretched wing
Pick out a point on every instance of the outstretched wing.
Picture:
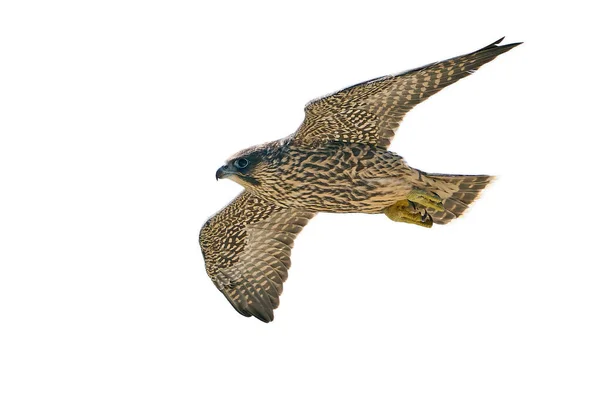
(246, 248)
(370, 112)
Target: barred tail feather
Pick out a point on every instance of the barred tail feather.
(458, 192)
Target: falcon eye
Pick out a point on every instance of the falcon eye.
(241, 163)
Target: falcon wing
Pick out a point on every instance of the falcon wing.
(246, 248)
(370, 112)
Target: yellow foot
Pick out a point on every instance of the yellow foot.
(426, 199)
(406, 211)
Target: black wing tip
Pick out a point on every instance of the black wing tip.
(261, 312)
(264, 318)
(496, 45)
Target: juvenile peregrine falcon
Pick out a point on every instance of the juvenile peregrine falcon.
(337, 161)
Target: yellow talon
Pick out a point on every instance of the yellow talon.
(405, 211)
(426, 199)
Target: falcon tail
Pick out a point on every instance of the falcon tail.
(458, 192)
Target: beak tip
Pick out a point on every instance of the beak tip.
(220, 173)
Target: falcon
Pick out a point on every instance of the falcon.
(337, 162)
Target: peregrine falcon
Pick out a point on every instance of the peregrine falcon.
(337, 162)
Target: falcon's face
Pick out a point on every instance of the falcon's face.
(246, 168)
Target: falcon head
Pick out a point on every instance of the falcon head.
(249, 167)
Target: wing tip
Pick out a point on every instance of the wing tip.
(496, 45)
(258, 308)
(263, 314)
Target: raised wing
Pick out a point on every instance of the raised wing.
(246, 248)
(370, 112)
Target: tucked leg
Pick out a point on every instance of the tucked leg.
(426, 199)
(407, 211)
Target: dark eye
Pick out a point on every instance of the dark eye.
(241, 163)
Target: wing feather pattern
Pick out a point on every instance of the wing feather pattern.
(370, 112)
(247, 248)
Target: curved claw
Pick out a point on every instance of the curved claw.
(405, 211)
(426, 199)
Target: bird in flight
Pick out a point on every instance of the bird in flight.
(337, 162)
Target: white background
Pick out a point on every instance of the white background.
(114, 116)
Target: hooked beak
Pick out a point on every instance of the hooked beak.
(223, 172)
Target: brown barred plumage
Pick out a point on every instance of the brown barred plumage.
(337, 161)
(247, 248)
